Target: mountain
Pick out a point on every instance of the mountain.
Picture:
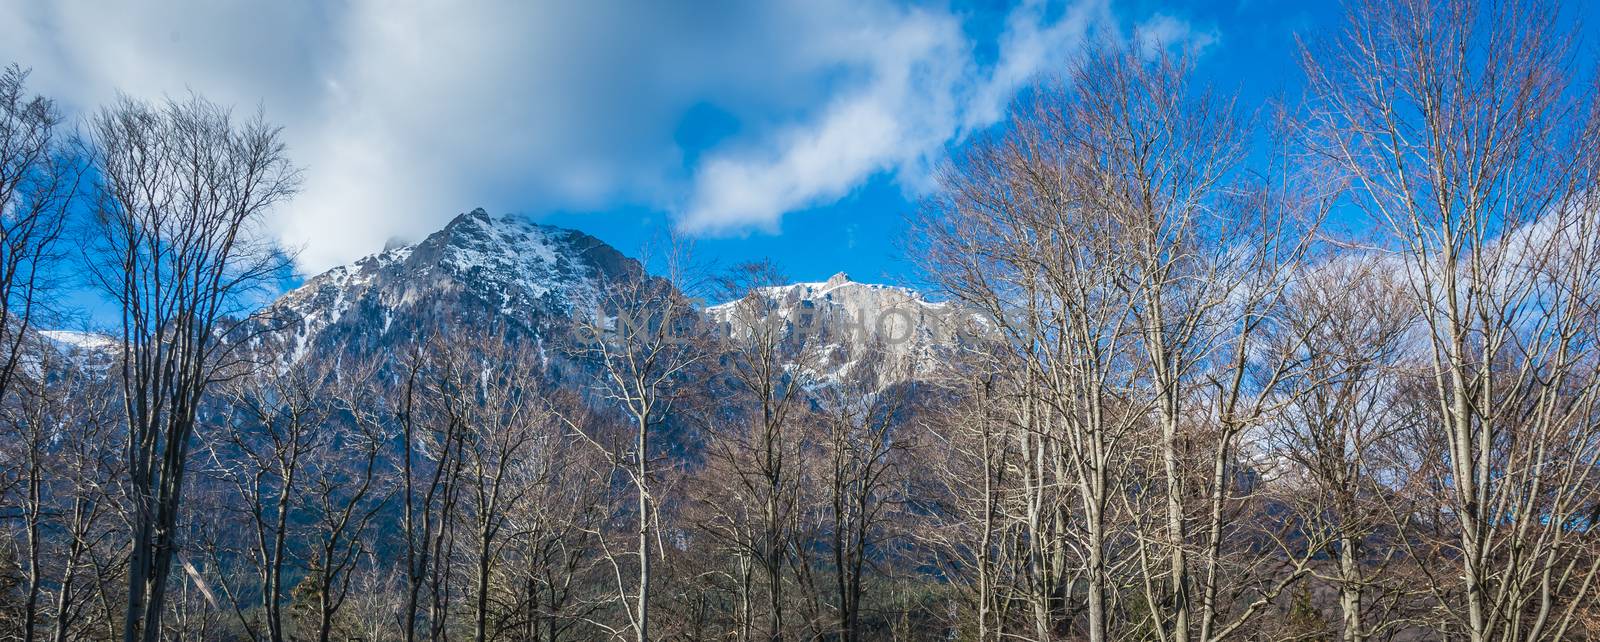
(484, 273)
(477, 271)
(858, 332)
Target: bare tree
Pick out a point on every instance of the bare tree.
(1130, 277)
(1011, 239)
(39, 177)
(275, 422)
(1471, 149)
(492, 387)
(182, 189)
(1351, 323)
(753, 443)
(640, 335)
(1206, 258)
(54, 425)
(1153, 155)
(432, 438)
(864, 479)
(1183, 411)
(551, 552)
(972, 471)
(346, 491)
(40, 173)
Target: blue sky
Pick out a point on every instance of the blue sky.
(803, 131)
(1250, 49)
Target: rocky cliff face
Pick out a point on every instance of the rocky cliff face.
(862, 333)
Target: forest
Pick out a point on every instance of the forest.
(1324, 368)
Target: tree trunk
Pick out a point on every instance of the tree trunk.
(643, 444)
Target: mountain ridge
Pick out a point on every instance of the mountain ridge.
(532, 278)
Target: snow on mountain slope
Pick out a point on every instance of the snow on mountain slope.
(87, 352)
(479, 269)
(883, 334)
(482, 269)
(73, 340)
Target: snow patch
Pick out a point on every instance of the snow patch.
(89, 341)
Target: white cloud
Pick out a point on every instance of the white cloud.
(912, 59)
(405, 113)
(923, 91)
(1162, 31)
(1034, 42)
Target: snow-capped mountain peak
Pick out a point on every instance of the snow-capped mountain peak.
(498, 269)
(883, 333)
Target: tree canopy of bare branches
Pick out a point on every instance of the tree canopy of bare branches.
(182, 192)
(1324, 369)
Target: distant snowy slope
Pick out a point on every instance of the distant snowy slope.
(880, 333)
(80, 341)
